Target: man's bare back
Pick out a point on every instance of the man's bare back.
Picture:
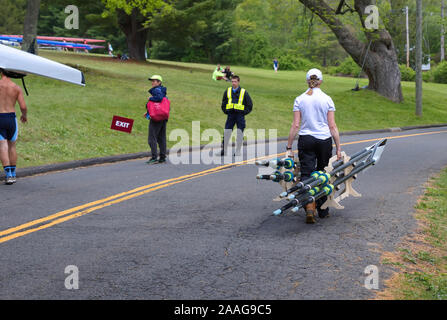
(10, 94)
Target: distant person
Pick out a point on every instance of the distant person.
(157, 129)
(10, 94)
(236, 104)
(228, 73)
(110, 49)
(314, 118)
(86, 43)
(219, 74)
(276, 64)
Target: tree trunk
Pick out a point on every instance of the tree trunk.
(29, 43)
(136, 33)
(381, 64)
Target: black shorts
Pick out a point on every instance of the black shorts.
(8, 127)
(314, 154)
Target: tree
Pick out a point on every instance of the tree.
(381, 64)
(92, 24)
(12, 16)
(199, 31)
(29, 43)
(134, 17)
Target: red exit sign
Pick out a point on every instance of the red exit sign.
(122, 124)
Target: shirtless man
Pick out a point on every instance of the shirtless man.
(10, 94)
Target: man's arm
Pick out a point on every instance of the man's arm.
(22, 104)
(334, 132)
(248, 103)
(224, 103)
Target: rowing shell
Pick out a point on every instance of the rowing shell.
(21, 62)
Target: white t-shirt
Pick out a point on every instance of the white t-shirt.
(314, 110)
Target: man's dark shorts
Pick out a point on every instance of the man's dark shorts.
(9, 128)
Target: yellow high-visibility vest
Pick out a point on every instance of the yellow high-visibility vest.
(235, 106)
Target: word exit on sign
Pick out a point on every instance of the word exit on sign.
(122, 124)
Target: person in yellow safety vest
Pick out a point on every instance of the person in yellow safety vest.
(236, 103)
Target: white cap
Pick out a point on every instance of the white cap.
(314, 72)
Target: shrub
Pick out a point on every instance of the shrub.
(407, 74)
(427, 76)
(348, 68)
(292, 62)
(332, 70)
(440, 73)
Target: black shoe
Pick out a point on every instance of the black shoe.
(323, 213)
(152, 161)
(162, 160)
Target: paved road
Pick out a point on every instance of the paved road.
(205, 236)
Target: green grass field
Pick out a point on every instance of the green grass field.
(67, 122)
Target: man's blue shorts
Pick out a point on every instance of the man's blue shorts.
(9, 128)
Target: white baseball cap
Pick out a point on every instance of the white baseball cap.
(314, 72)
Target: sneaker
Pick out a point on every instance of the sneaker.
(152, 161)
(9, 180)
(162, 160)
(14, 179)
(323, 213)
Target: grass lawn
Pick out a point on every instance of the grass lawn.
(70, 123)
(422, 259)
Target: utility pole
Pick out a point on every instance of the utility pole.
(408, 37)
(419, 57)
(442, 32)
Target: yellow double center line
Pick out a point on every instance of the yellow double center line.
(76, 212)
(82, 210)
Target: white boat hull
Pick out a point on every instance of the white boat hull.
(26, 63)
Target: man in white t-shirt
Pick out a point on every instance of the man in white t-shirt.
(314, 118)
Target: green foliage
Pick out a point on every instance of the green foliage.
(293, 62)
(348, 68)
(146, 7)
(440, 73)
(12, 15)
(427, 76)
(91, 25)
(407, 74)
(198, 31)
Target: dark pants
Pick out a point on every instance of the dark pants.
(237, 119)
(314, 155)
(234, 119)
(157, 135)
